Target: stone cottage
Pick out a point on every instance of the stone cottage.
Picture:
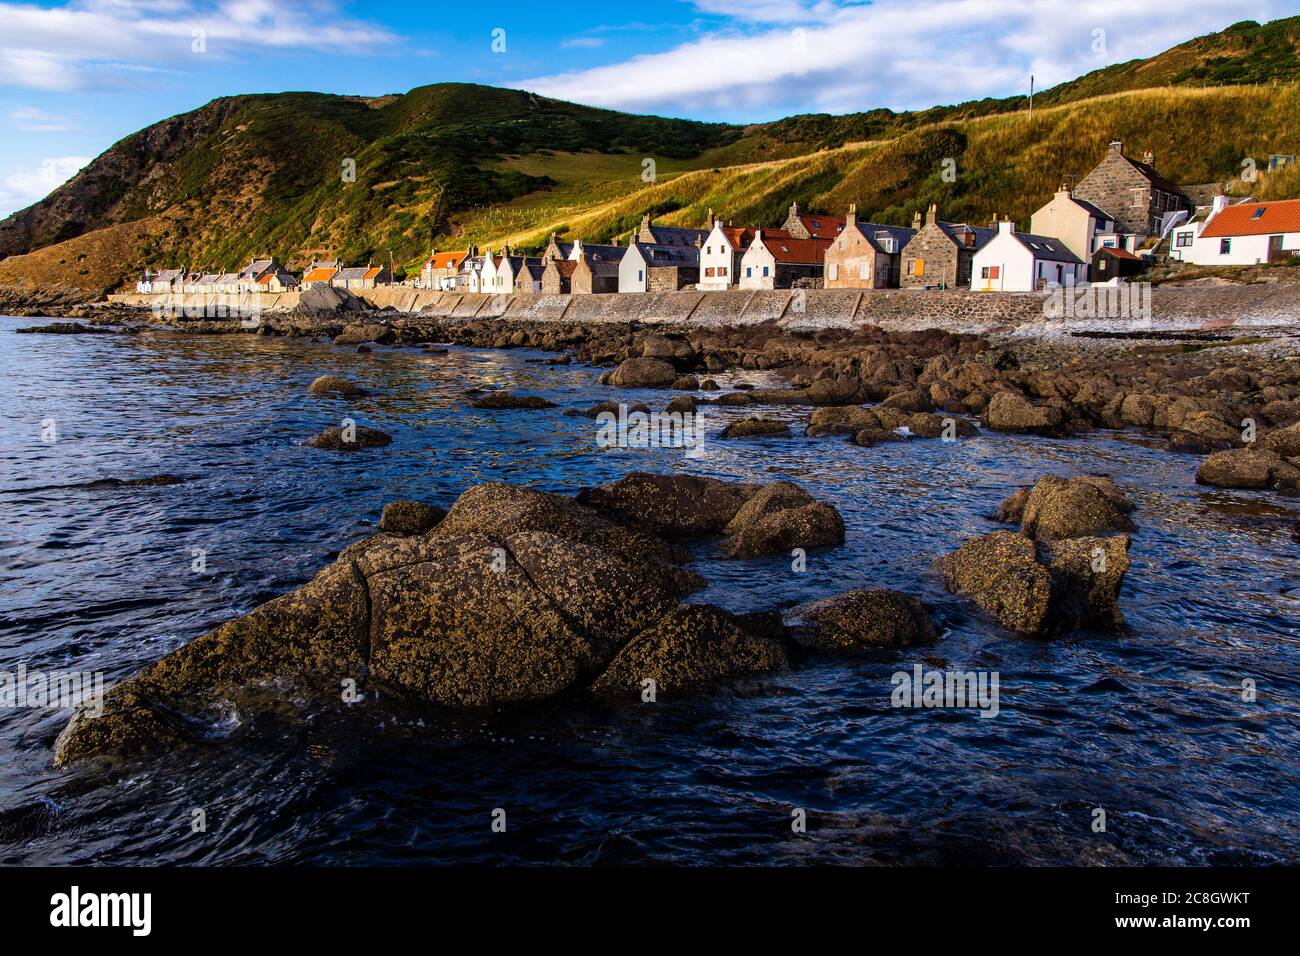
(654, 235)
(804, 225)
(557, 276)
(865, 255)
(1141, 201)
(596, 269)
(940, 255)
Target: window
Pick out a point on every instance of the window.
(864, 270)
(994, 271)
(834, 271)
(640, 275)
(764, 272)
(1259, 213)
(1225, 247)
(708, 250)
(984, 273)
(1184, 240)
(749, 271)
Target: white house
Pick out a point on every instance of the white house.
(654, 267)
(1081, 226)
(777, 262)
(1246, 234)
(720, 255)
(1022, 262)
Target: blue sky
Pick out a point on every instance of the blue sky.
(77, 76)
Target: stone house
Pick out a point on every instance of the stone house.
(557, 276)
(278, 281)
(865, 255)
(556, 249)
(777, 262)
(1142, 201)
(650, 234)
(940, 254)
(251, 273)
(361, 277)
(804, 225)
(528, 280)
(596, 269)
(441, 269)
(659, 268)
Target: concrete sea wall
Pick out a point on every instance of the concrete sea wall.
(1187, 307)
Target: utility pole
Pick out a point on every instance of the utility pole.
(1031, 94)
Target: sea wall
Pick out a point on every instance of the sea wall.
(1195, 307)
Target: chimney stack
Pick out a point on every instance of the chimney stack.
(931, 214)
(916, 219)
(1149, 158)
(1116, 148)
(852, 218)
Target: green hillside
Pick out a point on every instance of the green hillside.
(455, 163)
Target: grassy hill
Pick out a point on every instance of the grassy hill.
(456, 163)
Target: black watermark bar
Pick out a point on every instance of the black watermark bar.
(234, 904)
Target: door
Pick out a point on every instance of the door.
(1274, 248)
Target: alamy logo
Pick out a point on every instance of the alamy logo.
(1129, 301)
(74, 908)
(922, 688)
(649, 429)
(53, 689)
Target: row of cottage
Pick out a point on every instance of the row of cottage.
(1104, 230)
(262, 275)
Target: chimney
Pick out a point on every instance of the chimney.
(916, 219)
(1116, 148)
(1149, 158)
(1220, 204)
(645, 221)
(1005, 227)
(931, 214)
(712, 221)
(852, 218)
(1064, 190)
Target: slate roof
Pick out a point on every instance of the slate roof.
(352, 273)
(660, 256)
(612, 253)
(1095, 211)
(874, 232)
(982, 234)
(1047, 248)
(257, 267)
(1255, 219)
(602, 266)
(1155, 179)
(168, 275)
(676, 235)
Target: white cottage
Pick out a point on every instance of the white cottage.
(1022, 262)
(1248, 233)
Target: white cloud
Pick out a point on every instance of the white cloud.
(30, 119)
(87, 42)
(786, 56)
(585, 43)
(22, 187)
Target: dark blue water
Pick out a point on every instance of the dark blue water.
(1148, 725)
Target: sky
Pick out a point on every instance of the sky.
(77, 76)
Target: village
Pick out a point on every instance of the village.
(1108, 229)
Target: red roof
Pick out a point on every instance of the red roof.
(1255, 219)
(799, 251)
(323, 274)
(1118, 253)
(565, 266)
(446, 260)
(373, 273)
(741, 236)
(821, 227)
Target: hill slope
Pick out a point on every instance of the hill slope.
(454, 163)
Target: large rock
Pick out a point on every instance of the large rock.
(1037, 589)
(643, 373)
(781, 517)
(353, 439)
(1248, 468)
(516, 596)
(1057, 508)
(685, 651)
(410, 517)
(510, 400)
(670, 506)
(333, 385)
(1284, 441)
(841, 419)
(1012, 412)
(359, 332)
(865, 620)
(756, 428)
